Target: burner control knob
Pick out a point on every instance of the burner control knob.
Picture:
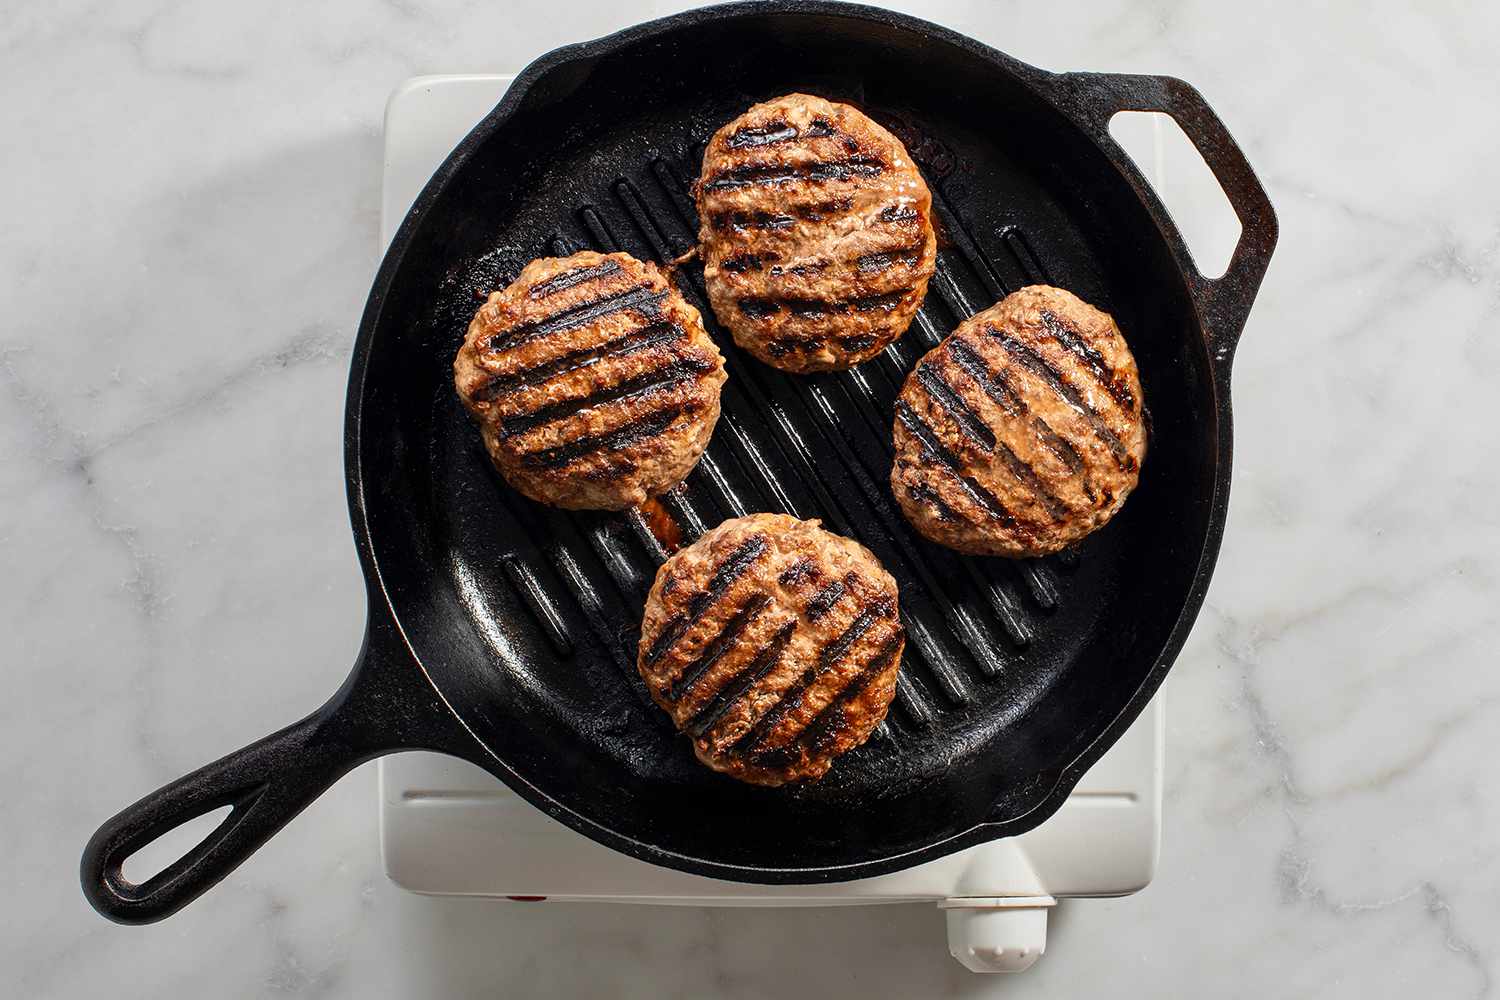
(997, 933)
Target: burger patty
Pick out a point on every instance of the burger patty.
(816, 233)
(1023, 431)
(593, 382)
(773, 645)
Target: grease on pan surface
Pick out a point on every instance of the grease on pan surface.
(774, 645)
(593, 382)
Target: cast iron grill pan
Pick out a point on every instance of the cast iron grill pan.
(505, 632)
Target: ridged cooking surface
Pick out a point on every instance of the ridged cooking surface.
(770, 426)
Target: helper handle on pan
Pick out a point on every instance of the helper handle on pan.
(386, 704)
(1224, 302)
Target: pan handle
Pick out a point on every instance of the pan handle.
(386, 704)
(1092, 99)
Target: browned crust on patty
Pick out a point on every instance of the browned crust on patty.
(593, 382)
(1023, 431)
(816, 233)
(774, 645)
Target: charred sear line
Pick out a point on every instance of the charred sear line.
(923, 494)
(938, 452)
(1038, 365)
(792, 697)
(758, 307)
(647, 426)
(825, 725)
(872, 263)
(568, 279)
(948, 399)
(722, 221)
(997, 386)
(740, 263)
(631, 343)
(898, 213)
(1027, 477)
(656, 380)
(823, 601)
(741, 683)
(1065, 335)
(776, 174)
(768, 134)
(855, 343)
(973, 365)
(642, 297)
(797, 572)
(718, 646)
(783, 219)
(819, 128)
(882, 303)
(806, 267)
(730, 570)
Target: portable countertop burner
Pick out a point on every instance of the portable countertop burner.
(449, 828)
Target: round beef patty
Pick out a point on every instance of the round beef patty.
(774, 645)
(593, 382)
(816, 233)
(1023, 431)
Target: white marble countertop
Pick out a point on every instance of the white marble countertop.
(190, 211)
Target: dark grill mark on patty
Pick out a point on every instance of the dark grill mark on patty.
(818, 128)
(768, 134)
(950, 402)
(655, 380)
(884, 302)
(1038, 365)
(752, 220)
(1065, 335)
(568, 279)
(823, 601)
(792, 697)
(871, 263)
(922, 493)
(741, 683)
(776, 174)
(638, 340)
(740, 263)
(730, 570)
(939, 453)
(642, 297)
(815, 212)
(824, 727)
(1027, 477)
(974, 365)
(648, 425)
(996, 386)
(718, 646)
(797, 572)
(759, 308)
(852, 344)
(809, 267)
(897, 213)
(764, 308)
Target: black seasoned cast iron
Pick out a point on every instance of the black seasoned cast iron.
(504, 633)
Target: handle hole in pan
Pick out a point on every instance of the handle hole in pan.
(150, 859)
(1184, 183)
